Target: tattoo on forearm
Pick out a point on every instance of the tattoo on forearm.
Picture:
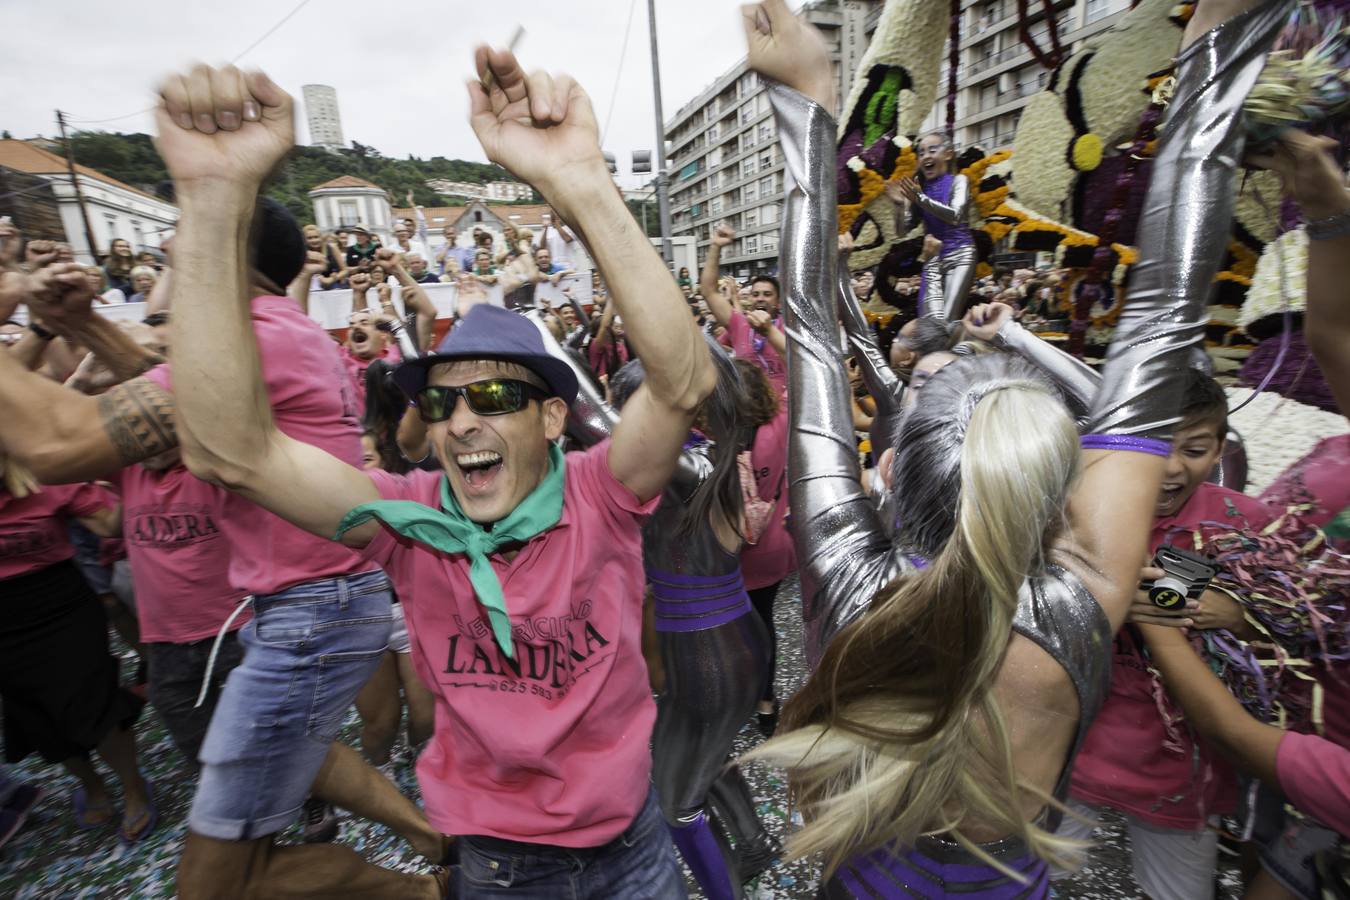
(138, 418)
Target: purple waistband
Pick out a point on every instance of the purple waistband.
(697, 602)
(884, 874)
(1128, 442)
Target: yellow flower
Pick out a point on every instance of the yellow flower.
(1087, 152)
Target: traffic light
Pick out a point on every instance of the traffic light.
(642, 162)
(611, 162)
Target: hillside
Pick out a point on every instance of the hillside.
(132, 158)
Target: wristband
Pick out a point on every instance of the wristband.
(41, 332)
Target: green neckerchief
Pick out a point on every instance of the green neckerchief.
(447, 529)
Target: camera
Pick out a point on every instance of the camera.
(1185, 577)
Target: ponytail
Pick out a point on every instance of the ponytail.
(898, 733)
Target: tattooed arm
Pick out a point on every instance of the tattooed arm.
(65, 436)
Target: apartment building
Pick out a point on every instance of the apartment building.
(998, 74)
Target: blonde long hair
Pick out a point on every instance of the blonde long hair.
(898, 733)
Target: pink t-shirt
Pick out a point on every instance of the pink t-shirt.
(312, 401)
(1315, 775)
(773, 558)
(356, 371)
(553, 747)
(1125, 761)
(750, 345)
(179, 556)
(33, 530)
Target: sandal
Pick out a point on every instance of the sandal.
(151, 819)
(79, 801)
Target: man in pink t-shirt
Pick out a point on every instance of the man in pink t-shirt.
(520, 570)
(1167, 782)
(365, 343)
(750, 339)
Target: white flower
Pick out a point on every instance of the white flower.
(1281, 278)
(856, 164)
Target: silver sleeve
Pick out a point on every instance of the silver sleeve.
(957, 206)
(1076, 379)
(882, 383)
(1188, 211)
(843, 553)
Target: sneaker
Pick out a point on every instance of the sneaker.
(319, 821)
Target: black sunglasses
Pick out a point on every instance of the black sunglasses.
(494, 397)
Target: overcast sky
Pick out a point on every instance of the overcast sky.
(398, 67)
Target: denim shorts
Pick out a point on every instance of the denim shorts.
(399, 642)
(307, 652)
(637, 865)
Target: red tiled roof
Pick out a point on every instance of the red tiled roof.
(345, 181)
(23, 156)
(530, 214)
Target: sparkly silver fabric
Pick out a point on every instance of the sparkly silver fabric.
(1077, 380)
(1183, 230)
(954, 211)
(882, 383)
(946, 282)
(843, 554)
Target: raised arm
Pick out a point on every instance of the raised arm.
(882, 383)
(951, 212)
(243, 128)
(994, 322)
(415, 299)
(843, 552)
(708, 278)
(556, 149)
(1187, 212)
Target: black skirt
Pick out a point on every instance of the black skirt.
(58, 681)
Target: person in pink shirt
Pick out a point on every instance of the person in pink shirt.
(321, 613)
(770, 558)
(750, 335)
(1167, 782)
(179, 558)
(521, 571)
(58, 681)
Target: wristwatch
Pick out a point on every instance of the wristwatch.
(40, 331)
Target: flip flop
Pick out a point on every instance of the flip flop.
(79, 800)
(151, 819)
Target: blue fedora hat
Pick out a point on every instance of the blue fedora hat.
(490, 332)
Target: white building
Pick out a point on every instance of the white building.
(116, 210)
(998, 74)
(501, 191)
(325, 121)
(347, 201)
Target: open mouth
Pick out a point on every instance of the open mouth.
(1168, 495)
(359, 337)
(479, 469)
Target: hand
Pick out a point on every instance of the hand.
(846, 242)
(389, 259)
(39, 253)
(1218, 610)
(555, 278)
(897, 194)
(728, 287)
(1306, 166)
(759, 320)
(9, 243)
(931, 248)
(908, 189)
(61, 297)
(1143, 611)
(723, 235)
(315, 263)
(983, 321)
(783, 47)
(222, 126)
(385, 293)
(539, 128)
(360, 283)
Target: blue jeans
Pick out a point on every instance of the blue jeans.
(307, 652)
(637, 865)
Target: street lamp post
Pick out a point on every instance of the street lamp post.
(662, 180)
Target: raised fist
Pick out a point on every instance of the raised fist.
(385, 293)
(723, 235)
(61, 296)
(360, 282)
(40, 253)
(984, 320)
(388, 258)
(223, 126)
(314, 263)
(759, 320)
(784, 48)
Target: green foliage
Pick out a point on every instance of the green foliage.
(132, 158)
(653, 214)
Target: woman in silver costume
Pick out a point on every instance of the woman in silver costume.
(714, 647)
(942, 200)
(959, 664)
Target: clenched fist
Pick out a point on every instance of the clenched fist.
(360, 283)
(61, 296)
(723, 235)
(223, 126)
